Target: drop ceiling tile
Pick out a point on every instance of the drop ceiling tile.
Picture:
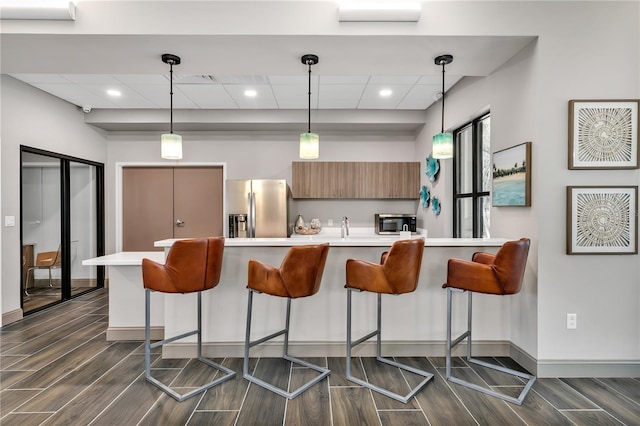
(340, 96)
(371, 98)
(394, 79)
(93, 79)
(264, 96)
(287, 80)
(41, 78)
(76, 95)
(147, 79)
(159, 96)
(449, 80)
(348, 79)
(419, 97)
(295, 96)
(208, 96)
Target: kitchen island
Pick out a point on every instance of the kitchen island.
(412, 324)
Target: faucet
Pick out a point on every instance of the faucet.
(344, 225)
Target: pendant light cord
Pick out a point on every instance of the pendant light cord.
(309, 93)
(442, 128)
(171, 94)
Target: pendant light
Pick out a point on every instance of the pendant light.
(171, 143)
(443, 142)
(309, 142)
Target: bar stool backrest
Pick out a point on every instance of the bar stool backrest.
(192, 265)
(302, 268)
(509, 265)
(402, 264)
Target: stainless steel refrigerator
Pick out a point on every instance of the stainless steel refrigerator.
(260, 206)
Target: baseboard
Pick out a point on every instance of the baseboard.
(12, 316)
(523, 358)
(589, 368)
(134, 333)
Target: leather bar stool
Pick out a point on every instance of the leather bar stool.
(299, 275)
(397, 273)
(192, 266)
(500, 274)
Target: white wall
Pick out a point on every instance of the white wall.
(33, 118)
(528, 98)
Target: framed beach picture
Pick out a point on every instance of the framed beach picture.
(602, 220)
(511, 183)
(603, 134)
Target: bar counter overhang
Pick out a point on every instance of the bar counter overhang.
(413, 325)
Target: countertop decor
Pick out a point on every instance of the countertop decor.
(307, 231)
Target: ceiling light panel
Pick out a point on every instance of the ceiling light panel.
(371, 98)
(370, 11)
(264, 98)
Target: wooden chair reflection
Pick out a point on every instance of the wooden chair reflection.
(45, 260)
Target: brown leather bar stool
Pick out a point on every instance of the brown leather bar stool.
(500, 274)
(192, 266)
(397, 273)
(299, 276)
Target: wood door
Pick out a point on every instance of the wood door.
(197, 202)
(147, 207)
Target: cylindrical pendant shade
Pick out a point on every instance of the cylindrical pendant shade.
(171, 146)
(443, 145)
(309, 146)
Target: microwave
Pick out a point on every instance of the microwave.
(387, 223)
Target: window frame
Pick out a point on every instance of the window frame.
(477, 193)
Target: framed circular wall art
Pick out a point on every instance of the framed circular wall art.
(603, 134)
(602, 220)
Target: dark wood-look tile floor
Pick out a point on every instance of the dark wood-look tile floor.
(56, 368)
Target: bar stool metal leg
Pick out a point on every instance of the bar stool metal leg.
(467, 335)
(351, 344)
(324, 372)
(229, 374)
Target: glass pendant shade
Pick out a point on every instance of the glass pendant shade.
(171, 146)
(309, 146)
(443, 145)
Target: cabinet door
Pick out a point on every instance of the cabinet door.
(147, 207)
(391, 180)
(197, 202)
(355, 179)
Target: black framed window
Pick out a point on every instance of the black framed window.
(472, 179)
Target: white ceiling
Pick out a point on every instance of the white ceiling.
(113, 45)
(149, 91)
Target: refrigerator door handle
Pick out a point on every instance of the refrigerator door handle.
(253, 215)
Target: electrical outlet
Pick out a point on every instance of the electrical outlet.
(329, 222)
(572, 321)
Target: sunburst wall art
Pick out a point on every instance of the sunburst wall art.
(602, 220)
(603, 134)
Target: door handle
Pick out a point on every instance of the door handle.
(179, 222)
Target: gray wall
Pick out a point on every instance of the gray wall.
(36, 119)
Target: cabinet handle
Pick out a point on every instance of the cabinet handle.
(179, 222)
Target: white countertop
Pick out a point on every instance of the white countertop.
(359, 237)
(125, 258)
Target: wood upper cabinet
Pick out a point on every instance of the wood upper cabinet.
(330, 179)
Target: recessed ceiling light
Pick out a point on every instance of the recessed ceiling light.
(386, 92)
(250, 93)
(114, 93)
